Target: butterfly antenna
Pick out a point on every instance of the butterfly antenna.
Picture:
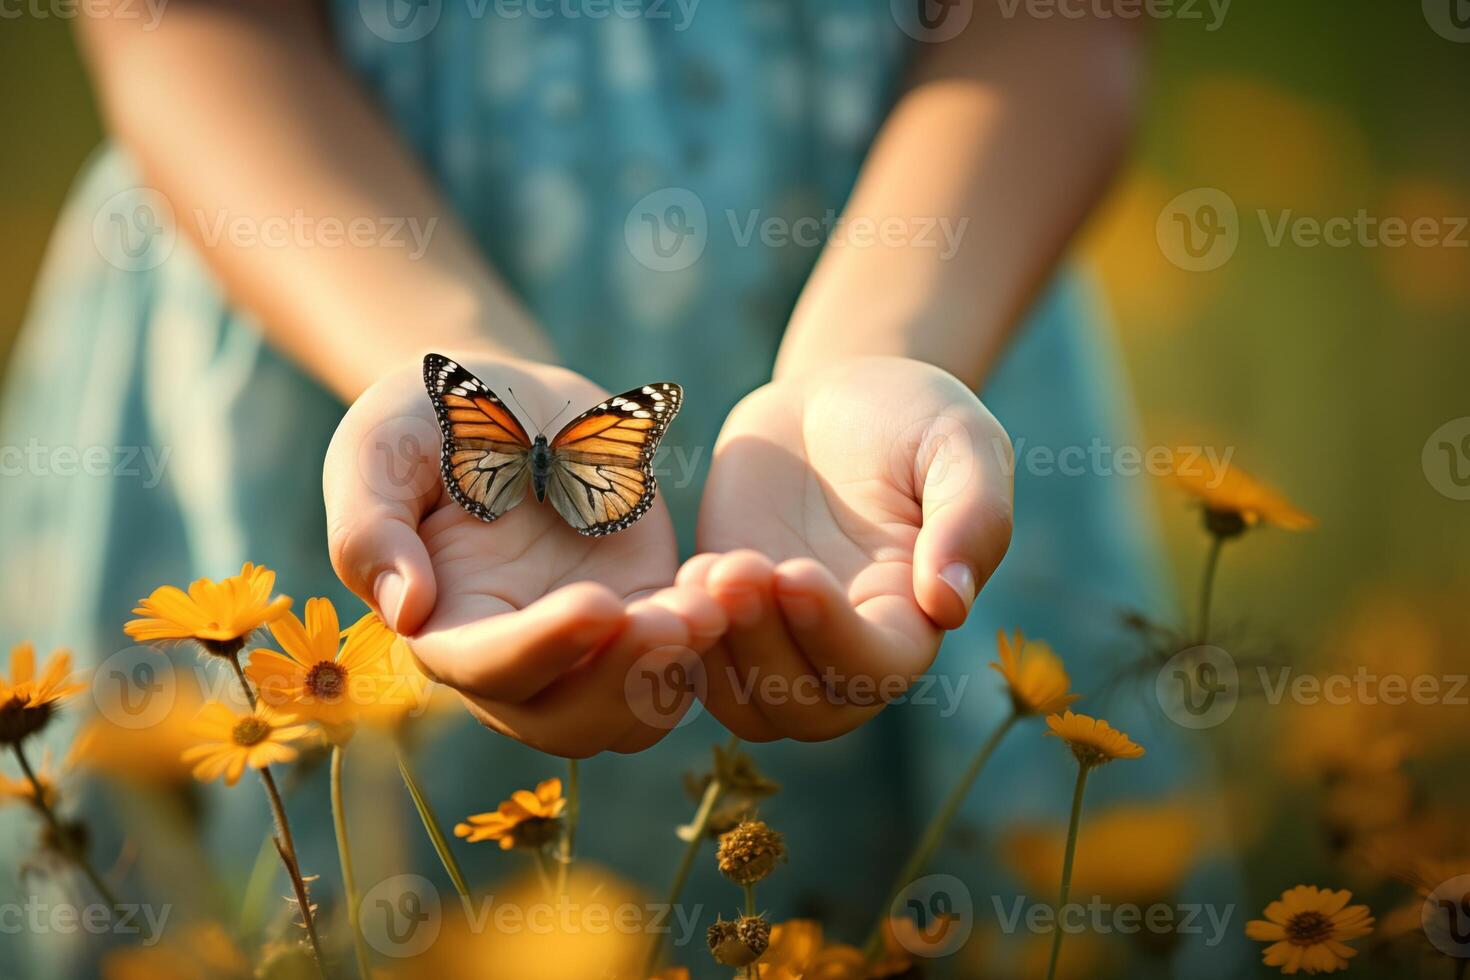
(541, 429)
(513, 398)
(558, 414)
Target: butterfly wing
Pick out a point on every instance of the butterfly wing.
(485, 457)
(601, 477)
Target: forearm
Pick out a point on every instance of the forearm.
(984, 170)
(299, 197)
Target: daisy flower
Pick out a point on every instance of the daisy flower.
(1308, 929)
(216, 615)
(28, 700)
(1234, 500)
(1033, 674)
(231, 742)
(527, 819)
(324, 675)
(1092, 740)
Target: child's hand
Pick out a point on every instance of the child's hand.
(537, 626)
(850, 518)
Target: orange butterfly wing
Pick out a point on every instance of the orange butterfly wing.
(485, 457)
(601, 478)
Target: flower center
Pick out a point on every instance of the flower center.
(18, 719)
(250, 731)
(326, 680)
(1089, 755)
(1308, 928)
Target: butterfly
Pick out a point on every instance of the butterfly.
(597, 471)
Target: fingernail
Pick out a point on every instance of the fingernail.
(957, 576)
(800, 610)
(388, 592)
(744, 606)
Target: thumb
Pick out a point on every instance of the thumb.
(963, 471)
(377, 480)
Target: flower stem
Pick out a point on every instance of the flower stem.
(699, 826)
(64, 840)
(754, 969)
(569, 830)
(344, 856)
(285, 845)
(431, 825)
(1207, 589)
(1056, 937)
(933, 835)
(234, 660)
(287, 848)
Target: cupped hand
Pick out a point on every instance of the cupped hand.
(849, 519)
(537, 626)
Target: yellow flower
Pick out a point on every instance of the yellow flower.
(200, 952)
(527, 819)
(1092, 740)
(558, 946)
(1233, 499)
(797, 951)
(1034, 676)
(315, 679)
(1308, 929)
(146, 756)
(406, 693)
(1138, 853)
(218, 615)
(27, 701)
(231, 742)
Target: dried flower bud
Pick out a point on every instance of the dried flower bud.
(749, 853)
(739, 943)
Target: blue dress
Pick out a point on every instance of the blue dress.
(590, 157)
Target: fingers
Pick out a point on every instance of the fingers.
(380, 557)
(765, 682)
(869, 636)
(379, 476)
(964, 478)
(486, 649)
(626, 695)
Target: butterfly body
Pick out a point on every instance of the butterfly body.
(597, 471)
(540, 462)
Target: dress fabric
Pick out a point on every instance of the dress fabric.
(553, 137)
